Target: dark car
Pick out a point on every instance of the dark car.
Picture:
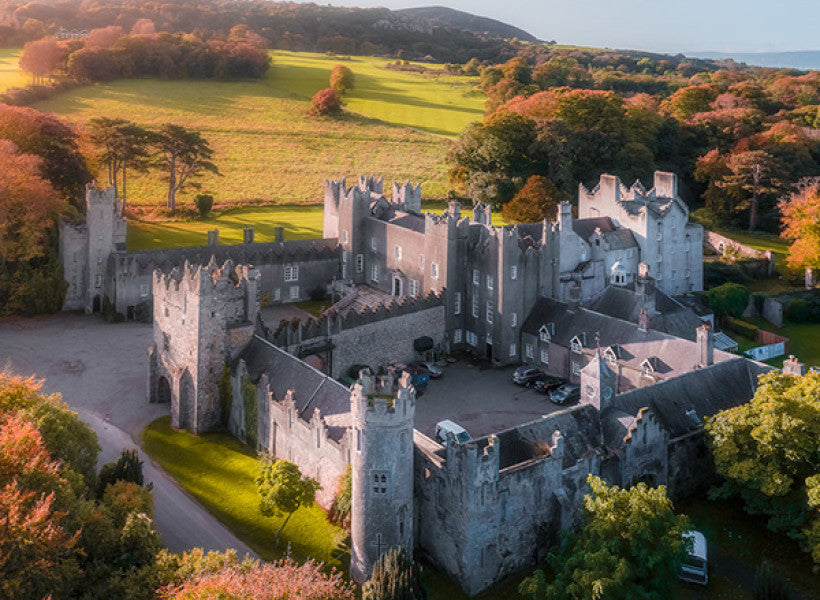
(548, 384)
(566, 393)
(527, 376)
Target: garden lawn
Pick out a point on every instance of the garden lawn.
(220, 473)
(10, 73)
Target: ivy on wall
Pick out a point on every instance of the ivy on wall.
(225, 395)
(249, 404)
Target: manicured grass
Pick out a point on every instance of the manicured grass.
(10, 73)
(804, 340)
(219, 472)
(762, 241)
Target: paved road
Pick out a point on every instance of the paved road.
(100, 371)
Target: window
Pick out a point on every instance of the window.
(291, 272)
(575, 368)
(434, 270)
(475, 276)
(472, 338)
(457, 334)
(688, 274)
(277, 294)
(489, 312)
(397, 252)
(528, 350)
(545, 356)
(379, 481)
(374, 244)
(674, 274)
(514, 320)
(421, 261)
(489, 282)
(414, 287)
(144, 289)
(544, 334)
(374, 273)
(344, 236)
(359, 263)
(344, 270)
(475, 306)
(575, 345)
(488, 338)
(513, 272)
(513, 350)
(98, 281)
(457, 304)
(345, 256)
(294, 292)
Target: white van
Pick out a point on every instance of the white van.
(447, 426)
(694, 565)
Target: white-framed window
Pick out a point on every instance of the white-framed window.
(544, 334)
(513, 350)
(545, 356)
(291, 272)
(472, 338)
(294, 292)
(457, 335)
(475, 276)
(144, 289)
(421, 261)
(688, 274)
(414, 287)
(457, 304)
(345, 256)
(359, 263)
(374, 273)
(344, 270)
(374, 244)
(528, 350)
(489, 312)
(490, 282)
(434, 270)
(488, 337)
(344, 236)
(514, 320)
(475, 306)
(513, 272)
(575, 367)
(659, 274)
(397, 252)
(277, 294)
(575, 345)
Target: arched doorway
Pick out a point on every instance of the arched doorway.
(163, 390)
(186, 401)
(96, 304)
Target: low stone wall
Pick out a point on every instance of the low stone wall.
(726, 246)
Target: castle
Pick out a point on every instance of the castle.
(409, 284)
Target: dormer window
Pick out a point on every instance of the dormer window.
(647, 368)
(544, 334)
(576, 345)
(611, 354)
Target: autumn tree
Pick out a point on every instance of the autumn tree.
(121, 145)
(143, 27)
(801, 224)
(103, 38)
(41, 58)
(395, 577)
(537, 200)
(767, 453)
(283, 490)
(341, 78)
(186, 156)
(325, 102)
(630, 546)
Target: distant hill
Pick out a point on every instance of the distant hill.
(803, 59)
(456, 19)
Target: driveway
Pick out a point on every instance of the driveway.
(101, 369)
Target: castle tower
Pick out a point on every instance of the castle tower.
(599, 383)
(381, 515)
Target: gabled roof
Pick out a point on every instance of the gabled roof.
(620, 239)
(584, 228)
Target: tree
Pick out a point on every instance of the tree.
(537, 200)
(143, 27)
(801, 224)
(729, 299)
(341, 78)
(340, 509)
(128, 468)
(283, 489)
(41, 58)
(395, 577)
(325, 102)
(103, 38)
(204, 203)
(121, 144)
(630, 546)
(767, 453)
(186, 155)
(28, 206)
(754, 173)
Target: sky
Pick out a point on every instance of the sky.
(668, 26)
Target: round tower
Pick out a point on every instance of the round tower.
(381, 514)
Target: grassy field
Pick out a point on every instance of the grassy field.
(10, 73)
(219, 472)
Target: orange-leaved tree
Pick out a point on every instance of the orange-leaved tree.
(801, 224)
(41, 58)
(537, 200)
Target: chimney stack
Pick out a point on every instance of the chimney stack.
(213, 237)
(574, 297)
(247, 235)
(279, 233)
(792, 366)
(454, 209)
(706, 345)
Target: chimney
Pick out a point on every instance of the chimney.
(565, 216)
(213, 237)
(279, 233)
(574, 297)
(247, 235)
(478, 213)
(666, 185)
(706, 345)
(454, 209)
(643, 320)
(792, 366)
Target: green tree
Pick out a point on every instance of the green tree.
(752, 174)
(340, 509)
(127, 467)
(395, 577)
(185, 155)
(630, 546)
(341, 78)
(283, 490)
(768, 455)
(121, 145)
(729, 299)
(204, 203)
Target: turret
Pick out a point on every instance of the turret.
(381, 514)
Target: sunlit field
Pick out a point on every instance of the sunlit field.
(10, 73)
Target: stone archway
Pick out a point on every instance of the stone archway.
(163, 390)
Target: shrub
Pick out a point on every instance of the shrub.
(742, 327)
(797, 310)
(128, 467)
(144, 312)
(341, 78)
(326, 102)
(395, 577)
(717, 273)
(729, 299)
(340, 509)
(204, 203)
(264, 300)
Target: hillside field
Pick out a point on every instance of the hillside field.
(10, 73)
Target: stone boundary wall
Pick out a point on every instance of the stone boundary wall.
(723, 245)
(766, 338)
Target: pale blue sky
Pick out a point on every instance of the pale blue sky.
(663, 26)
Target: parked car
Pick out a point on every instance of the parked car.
(527, 376)
(447, 426)
(431, 367)
(694, 567)
(548, 384)
(566, 393)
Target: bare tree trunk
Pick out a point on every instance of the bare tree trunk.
(172, 185)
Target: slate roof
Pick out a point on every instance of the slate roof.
(620, 239)
(311, 388)
(586, 227)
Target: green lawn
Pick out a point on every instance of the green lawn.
(10, 73)
(219, 472)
